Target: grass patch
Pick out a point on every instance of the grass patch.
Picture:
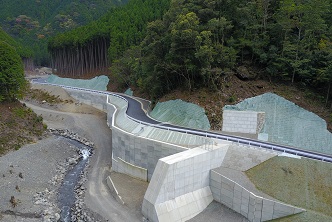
(44, 96)
(301, 182)
(19, 125)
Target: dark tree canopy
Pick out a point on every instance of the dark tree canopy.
(32, 22)
(158, 47)
(12, 79)
(90, 48)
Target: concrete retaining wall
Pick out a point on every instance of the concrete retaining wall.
(93, 99)
(243, 121)
(139, 151)
(121, 166)
(253, 207)
(136, 152)
(182, 185)
(179, 188)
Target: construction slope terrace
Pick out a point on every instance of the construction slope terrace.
(184, 170)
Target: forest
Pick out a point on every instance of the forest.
(197, 43)
(32, 22)
(90, 48)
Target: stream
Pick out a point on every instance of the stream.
(66, 197)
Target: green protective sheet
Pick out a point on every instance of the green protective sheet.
(129, 92)
(97, 83)
(286, 123)
(181, 113)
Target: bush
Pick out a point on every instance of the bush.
(12, 82)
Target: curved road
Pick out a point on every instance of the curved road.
(136, 113)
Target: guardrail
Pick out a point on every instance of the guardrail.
(236, 139)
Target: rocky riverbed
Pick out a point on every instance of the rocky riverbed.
(31, 178)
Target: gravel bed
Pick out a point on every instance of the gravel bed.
(31, 177)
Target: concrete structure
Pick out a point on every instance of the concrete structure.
(243, 121)
(179, 188)
(93, 99)
(288, 124)
(114, 191)
(121, 166)
(137, 148)
(242, 158)
(139, 152)
(135, 151)
(253, 207)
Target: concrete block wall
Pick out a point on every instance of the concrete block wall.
(243, 121)
(176, 194)
(139, 151)
(93, 99)
(253, 207)
(179, 188)
(184, 207)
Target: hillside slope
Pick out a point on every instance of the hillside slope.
(32, 22)
(234, 90)
(60, 14)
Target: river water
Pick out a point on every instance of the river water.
(66, 197)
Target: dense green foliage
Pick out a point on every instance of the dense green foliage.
(12, 79)
(84, 49)
(24, 52)
(32, 22)
(198, 42)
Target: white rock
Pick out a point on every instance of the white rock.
(57, 216)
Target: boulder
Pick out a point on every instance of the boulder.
(244, 74)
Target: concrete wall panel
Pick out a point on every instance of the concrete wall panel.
(253, 207)
(179, 188)
(243, 121)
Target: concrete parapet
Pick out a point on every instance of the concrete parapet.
(122, 166)
(113, 190)
(243, 121)
(179, 187)
(253, 207)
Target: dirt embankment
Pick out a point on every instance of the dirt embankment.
(19, 125)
